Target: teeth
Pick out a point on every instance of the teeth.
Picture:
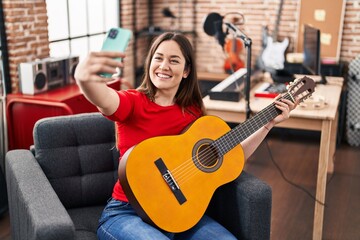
(163, 75)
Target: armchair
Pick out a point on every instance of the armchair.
(58, 189)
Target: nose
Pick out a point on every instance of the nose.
(164, 66)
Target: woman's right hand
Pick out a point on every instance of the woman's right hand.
(87, 75)
(95, 63)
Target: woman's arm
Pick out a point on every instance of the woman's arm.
(251, 143)
(94, 86)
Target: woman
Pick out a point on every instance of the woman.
(167, 101)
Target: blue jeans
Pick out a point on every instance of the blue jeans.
(120, 221)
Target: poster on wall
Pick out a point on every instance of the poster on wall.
(328, 16)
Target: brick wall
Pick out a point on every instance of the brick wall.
(26, 26)
(350, 43)
(259, 13)
(126, 20)
(27, 36)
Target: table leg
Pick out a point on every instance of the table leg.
(333, 136)
(321, 178)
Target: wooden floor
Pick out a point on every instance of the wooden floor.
(296, 154)
(292, 208)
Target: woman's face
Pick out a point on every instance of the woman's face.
(167, 67)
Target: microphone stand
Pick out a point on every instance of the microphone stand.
(247, 42)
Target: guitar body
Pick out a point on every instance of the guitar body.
(196, 172)
(273, 55)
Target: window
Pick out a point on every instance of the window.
(79, 26)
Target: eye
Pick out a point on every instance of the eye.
(174, 61)
(158, 58)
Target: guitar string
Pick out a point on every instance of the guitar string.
(209, 154)
(195, 172)
(225, 144)
(271, 109)
(191, 174)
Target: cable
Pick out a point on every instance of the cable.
(290, 182)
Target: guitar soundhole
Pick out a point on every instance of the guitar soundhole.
(205, 156)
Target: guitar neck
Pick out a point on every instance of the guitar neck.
(242, 131)
(276, 29)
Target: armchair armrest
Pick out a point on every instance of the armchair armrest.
(35, 210)
(243, 206)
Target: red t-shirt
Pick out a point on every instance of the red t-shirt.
(138, 119)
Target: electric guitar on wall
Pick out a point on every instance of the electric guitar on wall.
(170, 180)
(273, 56)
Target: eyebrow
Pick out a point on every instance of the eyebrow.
(171, 56)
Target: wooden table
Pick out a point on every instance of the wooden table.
(324, 120)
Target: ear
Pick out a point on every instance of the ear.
(186, 72)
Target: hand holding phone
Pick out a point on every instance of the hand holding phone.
(117, 39)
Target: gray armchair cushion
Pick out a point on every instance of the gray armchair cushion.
(78, 156)
(86, 220)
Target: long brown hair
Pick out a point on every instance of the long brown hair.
(188, 93)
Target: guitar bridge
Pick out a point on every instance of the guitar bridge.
(170, 181)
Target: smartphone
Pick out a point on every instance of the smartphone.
(117, 39)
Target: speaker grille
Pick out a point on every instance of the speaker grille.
(40, 81)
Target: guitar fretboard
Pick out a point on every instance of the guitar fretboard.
(242, 131)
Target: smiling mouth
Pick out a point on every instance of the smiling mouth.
(160, 75)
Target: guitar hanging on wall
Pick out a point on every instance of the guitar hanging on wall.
(273, 56)
(170, 180)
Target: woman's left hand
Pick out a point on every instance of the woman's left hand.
(286, 106)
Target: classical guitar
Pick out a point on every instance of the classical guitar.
(273, 56)
(170, 180)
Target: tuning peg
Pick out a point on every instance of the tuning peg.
(289, 85)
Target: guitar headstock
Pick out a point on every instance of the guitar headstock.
(301, 88)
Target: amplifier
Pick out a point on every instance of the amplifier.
(47, 74)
